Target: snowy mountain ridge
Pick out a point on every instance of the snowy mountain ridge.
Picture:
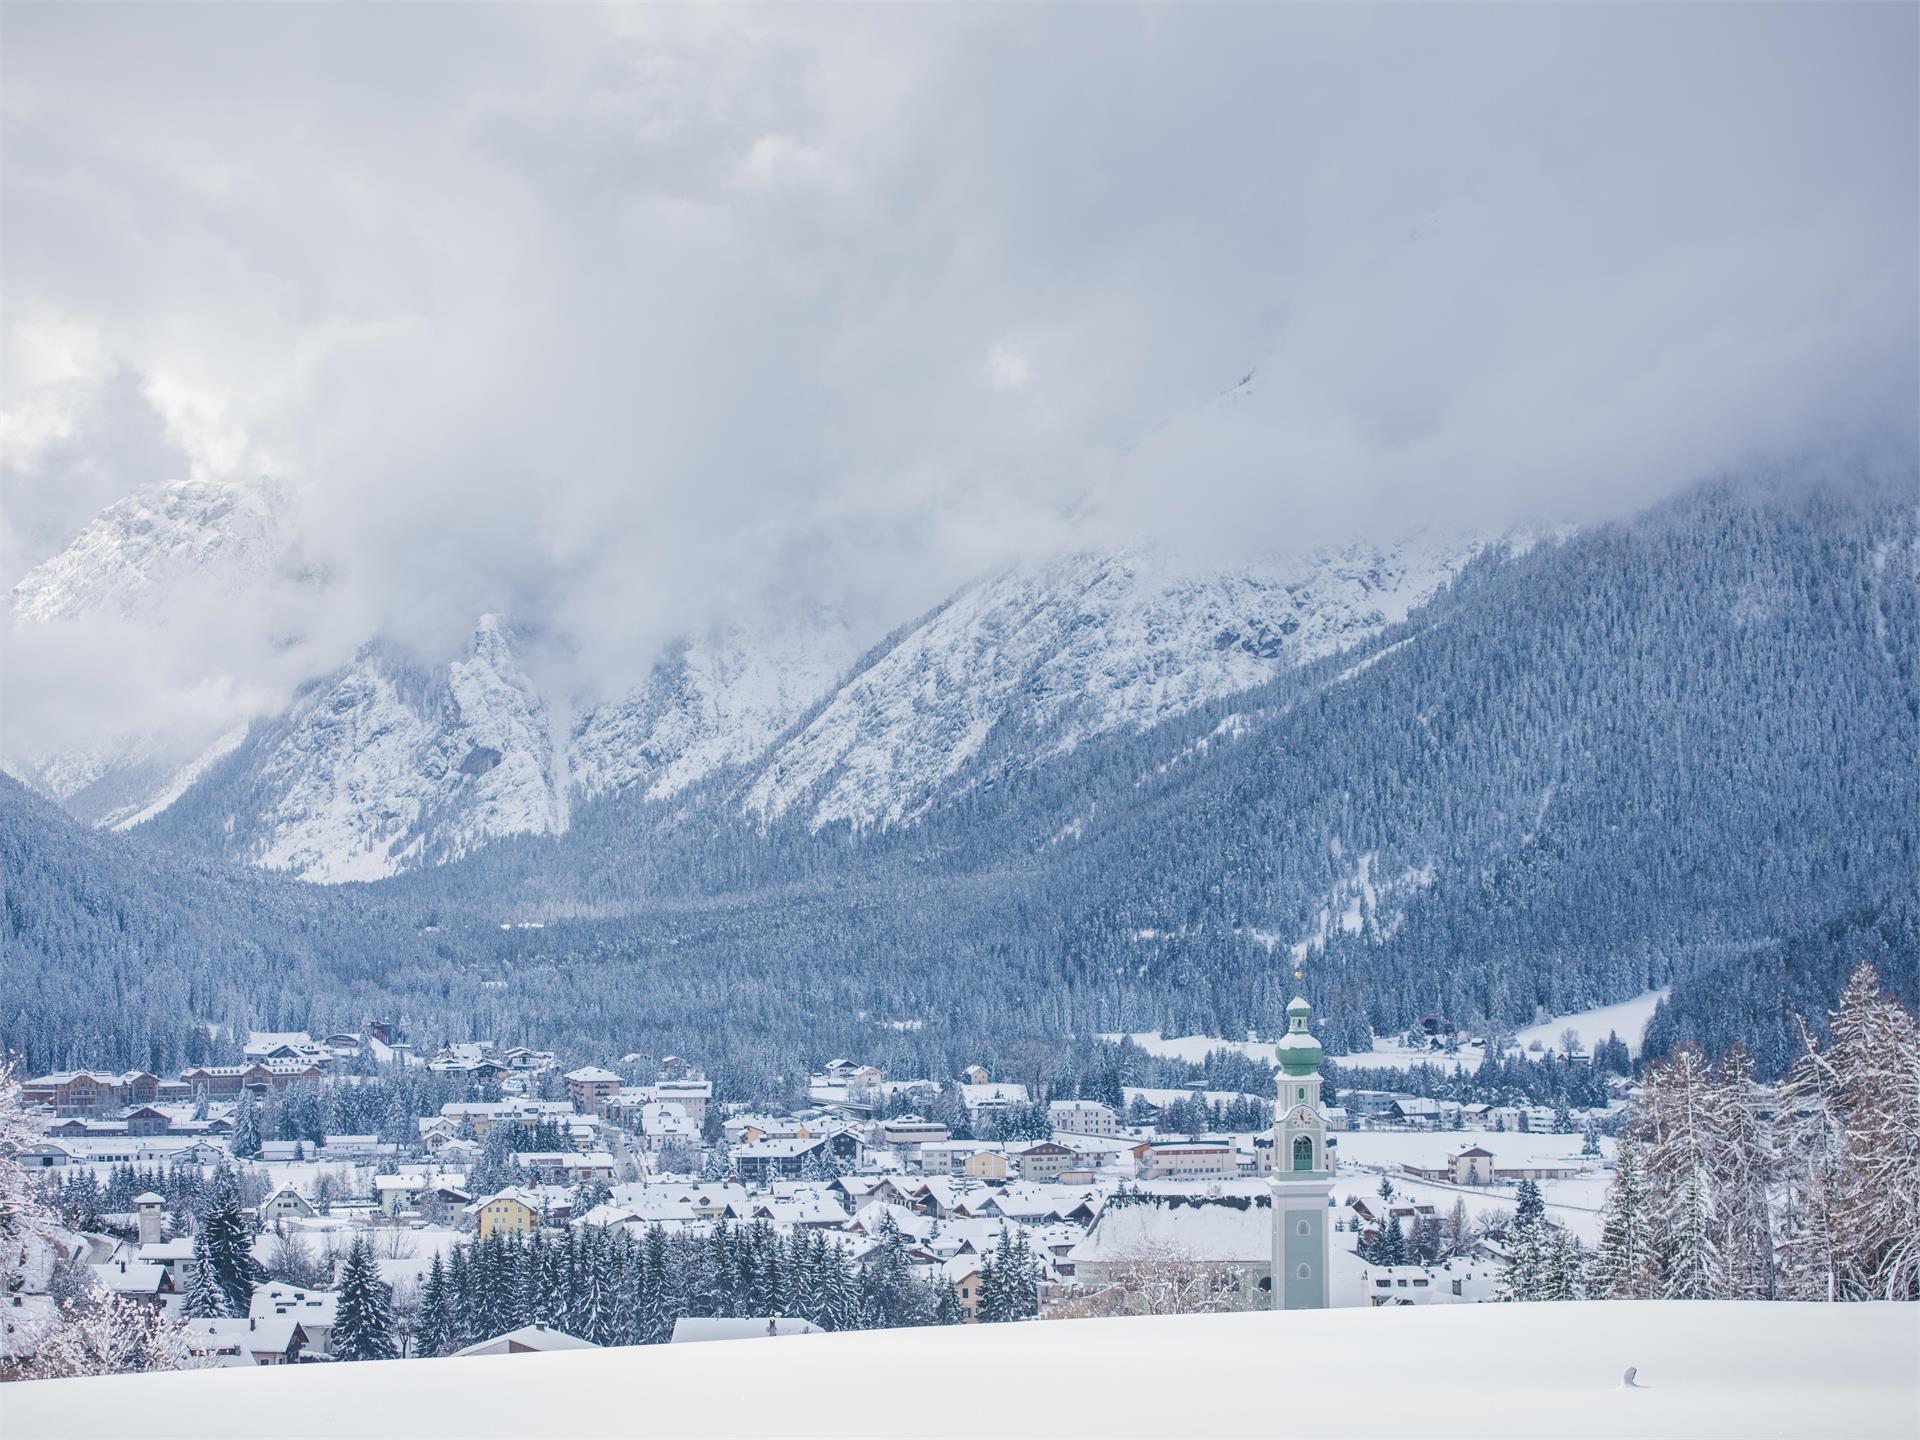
(387, 764)
(1050, 656)
(214, 541)
(137, 549)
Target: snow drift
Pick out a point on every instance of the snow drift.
(1705, 1368)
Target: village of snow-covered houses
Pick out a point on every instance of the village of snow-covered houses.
(355, 1197)
(959, 720)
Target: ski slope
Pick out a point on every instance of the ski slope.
(1707, 1368)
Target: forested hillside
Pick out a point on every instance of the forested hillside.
(1663, 751)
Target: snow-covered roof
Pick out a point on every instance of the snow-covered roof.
(778, 1149)
(129, 1277)
(248, 1335)
(1229, 1234)
(289, 1302)
(530, 1337)
(993, 1092)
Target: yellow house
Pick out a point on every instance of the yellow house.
(986, 1165)
(963, 1273)
(507, 1213)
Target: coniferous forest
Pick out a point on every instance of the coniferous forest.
(1676, 750)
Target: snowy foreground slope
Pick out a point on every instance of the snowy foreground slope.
(1707, 1369)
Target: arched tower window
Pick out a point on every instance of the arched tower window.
(1303, 1152)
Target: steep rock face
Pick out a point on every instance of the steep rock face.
(385, 766)
(389, 765)
(710, 704)
(1044, 658)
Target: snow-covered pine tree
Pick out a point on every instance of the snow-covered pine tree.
(598, 1286)
(363, 1317)
(990, 1303)
(460, 1299)
(243, 1142)
(947, 1306)
(1523, 1276)
(82, 1205)
(766, 1294)
(839, 1295)
(434, 1333)
(1530, 1207)
(229, 1245)
(397, 1123)
(495, 1282)
(202, 1299)
(1560, 1264)
(1456, 1231)
(541, 1300)
(493, 1168)
(1367, 1246)
(655, 1323)
(1023, 1301)
(1618, 1269)
(629, 1279)
(1393, 1241)
(717, 1271)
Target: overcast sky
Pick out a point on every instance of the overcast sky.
(619, 316)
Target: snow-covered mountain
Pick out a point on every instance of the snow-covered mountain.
(390, 763)
(1046, 657)
(387, 764)
(145, 558)
(710, 704)
(138, 549)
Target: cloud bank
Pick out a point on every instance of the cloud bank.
(627, 318)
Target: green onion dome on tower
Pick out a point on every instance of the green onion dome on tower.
(1299, 1051)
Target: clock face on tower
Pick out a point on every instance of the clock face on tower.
(1302, 1117)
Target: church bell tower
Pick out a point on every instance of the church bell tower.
(1302, 1170)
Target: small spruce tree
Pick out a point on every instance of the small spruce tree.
(363, 1323)
(203, 1299)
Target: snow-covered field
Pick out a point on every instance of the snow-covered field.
(1432, 1147)
(1390, 1055)
(1195, 1048)
(1575, 1202)
(1386, 1053)
(1705, 1369)
(1627, 1019)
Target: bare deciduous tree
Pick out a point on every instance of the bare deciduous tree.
(1157, 1280)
